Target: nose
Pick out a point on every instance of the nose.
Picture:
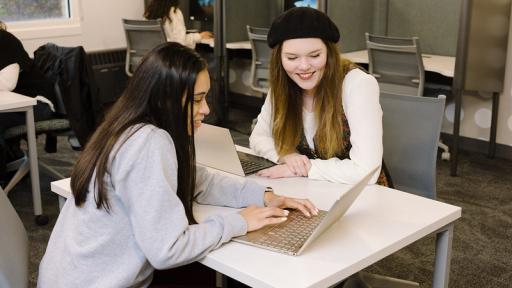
(204, 109)
(304, 64)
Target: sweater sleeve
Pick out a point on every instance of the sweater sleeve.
(176, 31)
(144, 174)
(221, 190)
(261, 140)
(364, 115)
(9, 77)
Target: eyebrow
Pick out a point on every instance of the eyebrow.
(200, 94)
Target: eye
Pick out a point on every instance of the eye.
(315, 55)
(291, 58)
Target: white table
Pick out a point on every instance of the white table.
(444, 65)
(380, 222)
(13, 102)
(229, 45)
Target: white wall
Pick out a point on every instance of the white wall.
(100, 23)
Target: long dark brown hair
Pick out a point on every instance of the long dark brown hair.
(159, 9)
(160, 93)
(287, 105)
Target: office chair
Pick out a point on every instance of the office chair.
(411, 132)
(411, 127)
(76, 109)
(260, 58)
(397, 64)
(260, 62)
(141, 36)
(13, 247)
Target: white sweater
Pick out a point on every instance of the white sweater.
(147, 227)
(364, 115)
(175, 30)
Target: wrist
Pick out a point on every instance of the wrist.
(268, 195)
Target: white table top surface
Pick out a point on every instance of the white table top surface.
(10, 100)
(444, 65)
(380, 222)
(229, 45)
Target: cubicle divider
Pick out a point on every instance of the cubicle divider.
(435, 22)
(354, 18)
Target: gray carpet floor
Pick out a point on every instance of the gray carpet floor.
(482, 243)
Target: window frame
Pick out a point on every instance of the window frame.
(46, 28)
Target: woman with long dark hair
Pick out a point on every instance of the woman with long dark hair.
(134, 184)
(322, 118)
(174, 24)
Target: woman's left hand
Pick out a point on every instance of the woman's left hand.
(303, 205)
(278, 171)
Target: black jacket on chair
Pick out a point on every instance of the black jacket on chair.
(70, 68)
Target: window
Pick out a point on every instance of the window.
(29, 19)
(29, 10)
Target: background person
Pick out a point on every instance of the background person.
(174, 24)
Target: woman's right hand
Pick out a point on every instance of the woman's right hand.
(297, 163)
(206, 35)
(257, 217)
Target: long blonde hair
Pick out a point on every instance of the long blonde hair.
(287, 105)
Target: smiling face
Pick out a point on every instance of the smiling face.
(304, 61)
(200, 107)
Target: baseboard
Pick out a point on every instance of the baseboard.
(478, 146)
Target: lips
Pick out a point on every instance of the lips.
(198, 122)
(306, 76)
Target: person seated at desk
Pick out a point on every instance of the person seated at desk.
(321, 118)
(19, 74)
(134, 184)
(174, 24)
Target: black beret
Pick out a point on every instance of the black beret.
(302, 22)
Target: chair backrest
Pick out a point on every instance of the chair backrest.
(141, 36)
(260, 58)
(13, 246)
(411, 128)
(397, 64)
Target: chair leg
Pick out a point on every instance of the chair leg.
(23, 169)
(46, 169)
(445, 155)
(50, 145)
(379, 281)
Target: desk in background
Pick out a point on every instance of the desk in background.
(444, 65)
(231, 45)
(13, 102)
(379, 223)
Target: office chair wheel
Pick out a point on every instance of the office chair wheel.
(445, 156)
(42, 220)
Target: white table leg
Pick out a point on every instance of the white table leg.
(444, 240)
(34, 169)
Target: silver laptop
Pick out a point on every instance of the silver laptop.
(215, 148)
(296, 233)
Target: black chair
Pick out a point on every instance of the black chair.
(78, 109)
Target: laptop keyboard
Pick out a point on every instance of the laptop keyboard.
(292, 234)
(252, 164)
(251, 167)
